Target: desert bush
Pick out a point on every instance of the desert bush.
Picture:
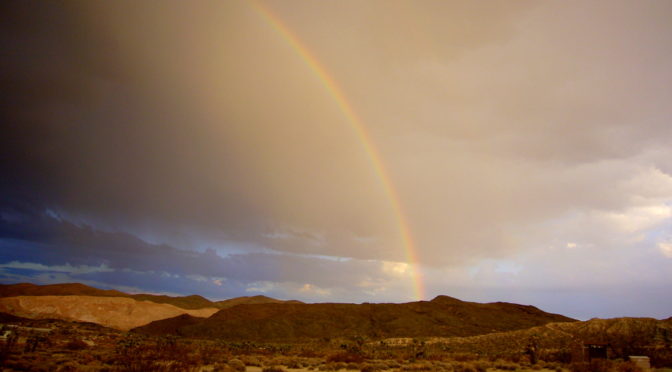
(76, 344)
(417, 367)
(504, 366)
(469, 367)
(7, 347)
(661, 358)
(273, 369)
(597, 365)
(133, 353)
(251, 360)
(346, 357)
(371, 367)
(221, 367)
(560, 356)
(464, 357)
(68, 367)
(237, 365)
(294, 363)
(627, 367)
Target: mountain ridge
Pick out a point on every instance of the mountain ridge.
(445, 316)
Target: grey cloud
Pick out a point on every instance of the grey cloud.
(59, 246)
(505, 128)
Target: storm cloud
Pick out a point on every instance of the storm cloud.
(177, 147)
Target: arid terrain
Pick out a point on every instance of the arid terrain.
(74, 327)
(114, 312)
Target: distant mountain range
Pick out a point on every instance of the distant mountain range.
(260, 317)
(110, 308)
(78, 289)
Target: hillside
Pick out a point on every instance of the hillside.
(77, 289)
(444, 316)
(114, 312)
(564, 341)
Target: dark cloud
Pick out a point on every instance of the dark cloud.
(139, 135)
(45, 240)
(86, 136)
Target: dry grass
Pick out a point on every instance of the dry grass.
(68, 348)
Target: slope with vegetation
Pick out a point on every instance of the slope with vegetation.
(444, 316)
(565, 342)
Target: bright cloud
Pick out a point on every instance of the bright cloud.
(666, 249)
(312, 289)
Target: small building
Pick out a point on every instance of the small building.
(595, 351)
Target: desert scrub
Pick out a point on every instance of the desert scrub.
(417, 367)
(505, 366)
(346, 357)
(237, 365)
(273, 369)
(251, 361)
(353, 366)
(468, 367)
(627, 367)
(392, 364)
(76, 344)
(327, 367)
(372, 367)
(69, 367)
(598, 365)
(294, 363)
(221, 367)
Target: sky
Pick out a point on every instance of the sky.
(342, 151)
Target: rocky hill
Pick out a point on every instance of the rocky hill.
(114, 312)
(443, 316)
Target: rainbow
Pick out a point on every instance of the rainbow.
(346, 108)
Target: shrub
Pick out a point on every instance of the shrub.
(627, 367)
(598, 365)
(273, 369)
(222, 367)
(76, 344)
(251, 361)
(346, 357)
(237, 365)
(417, 367)
(68, 367)
(294, 363)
